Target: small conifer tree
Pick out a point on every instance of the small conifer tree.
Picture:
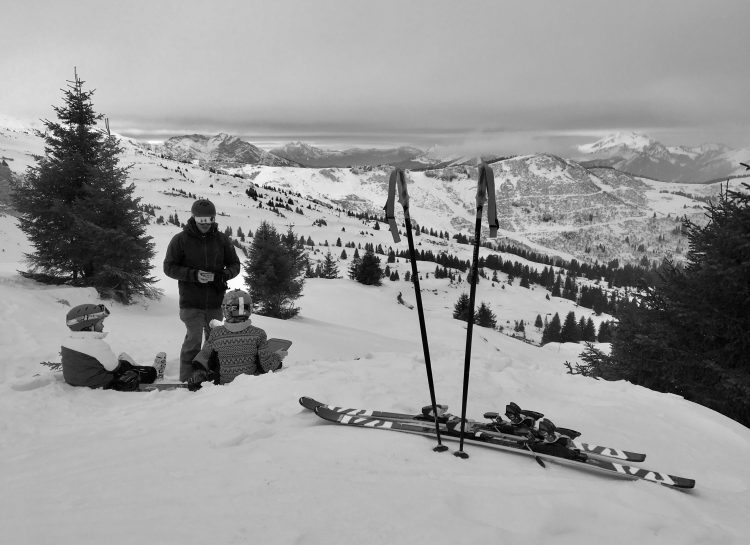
(485, 317)
(275, 272)
(329, 269)
(461, 308)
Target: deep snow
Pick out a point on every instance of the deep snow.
(245, 463)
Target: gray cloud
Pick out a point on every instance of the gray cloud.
(512, 74)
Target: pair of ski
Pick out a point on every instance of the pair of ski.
(586, 455)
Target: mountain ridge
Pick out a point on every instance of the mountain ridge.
(221, 150)
(312, 156)
(643, 156)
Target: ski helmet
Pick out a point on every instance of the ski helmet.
(203, 208)
(84, 316)
(237, 304)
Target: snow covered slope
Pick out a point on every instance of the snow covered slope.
(546, 203)
(244, 463)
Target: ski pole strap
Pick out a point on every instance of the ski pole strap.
(486, 191)
(397, 181)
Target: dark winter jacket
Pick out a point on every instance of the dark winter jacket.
(87, 360)
(191, 251)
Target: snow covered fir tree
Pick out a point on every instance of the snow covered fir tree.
(275, 272)
(79, 210)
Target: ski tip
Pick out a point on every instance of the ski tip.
(680, 483)
(309, 403)
(326, 414)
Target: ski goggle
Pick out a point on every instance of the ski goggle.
(238, 307)
(99, 313)
(204, 220)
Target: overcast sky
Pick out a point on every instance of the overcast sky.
(501, 76)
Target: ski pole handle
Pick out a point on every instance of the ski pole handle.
(396, 182)
(486, 193)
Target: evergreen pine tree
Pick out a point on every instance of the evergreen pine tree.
(485, 317)
(569, 332)
(329, 269)
(557, 287)
(461, 308)
(368, 271)
(581, 327)
(343, 254)
(690, 333)
(589, 332)
(275, 271)
(553, 329)
(538, 322)
(605, 333)
(545, 334)
(78, 210)
(355, 266)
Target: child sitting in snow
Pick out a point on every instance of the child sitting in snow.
(87, 360)
(235, 347)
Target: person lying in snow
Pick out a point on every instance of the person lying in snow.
(235, 347)
(87, 360)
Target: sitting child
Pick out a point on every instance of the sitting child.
(87, 360)
(237, 347)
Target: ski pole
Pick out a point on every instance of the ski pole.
(398, 180)
(485, 190)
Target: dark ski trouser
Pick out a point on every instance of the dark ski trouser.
(196, 322)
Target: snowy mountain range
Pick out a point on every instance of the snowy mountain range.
(221, 150)
(641, 155)
(546, 203)
(311, 156)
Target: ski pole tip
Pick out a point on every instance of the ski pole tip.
(460, 454)
(440, 448)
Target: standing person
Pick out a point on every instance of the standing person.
(201, 259)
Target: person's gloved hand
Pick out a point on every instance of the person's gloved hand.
(127, 381)
(198, 376)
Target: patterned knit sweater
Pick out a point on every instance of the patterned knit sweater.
(241, 349)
